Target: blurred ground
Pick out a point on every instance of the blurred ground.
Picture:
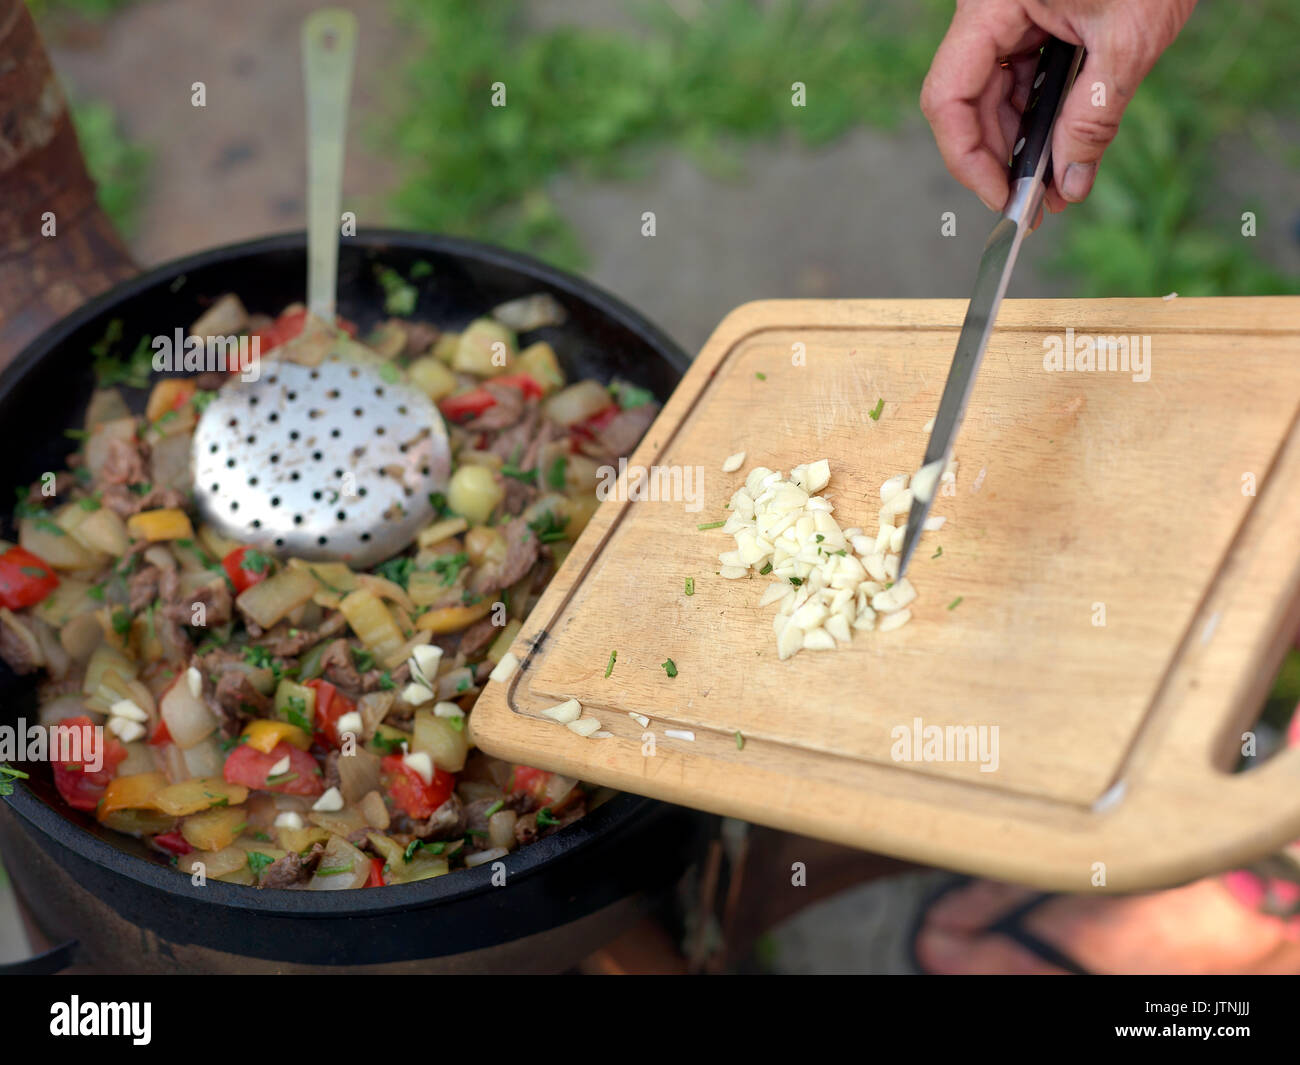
(859, 217)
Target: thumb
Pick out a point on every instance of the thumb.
(1090, 118)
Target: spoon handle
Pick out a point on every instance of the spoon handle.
(329, 39)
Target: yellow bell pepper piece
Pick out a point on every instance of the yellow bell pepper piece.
(452, 618)
(135, 792)
(167, 523)
(168, 394)
(264, 734)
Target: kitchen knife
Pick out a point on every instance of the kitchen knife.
(1031, 173)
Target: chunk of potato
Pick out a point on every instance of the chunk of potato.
(200, 793)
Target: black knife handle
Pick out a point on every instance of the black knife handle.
(1056, 67)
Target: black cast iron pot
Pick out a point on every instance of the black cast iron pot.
(127, 910)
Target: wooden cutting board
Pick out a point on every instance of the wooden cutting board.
(1126, 554)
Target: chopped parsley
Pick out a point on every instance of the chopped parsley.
(257, 861)
(420, 268)
(690, 585)
(545, 819)
(740, 741)
(767, 568)
(874, 413)
(457, 722)
(76, 434)
(400, 296)
(8, 774)
(386, 744)
(556, 473)
(711, 525)
(463, 684)
(448, 567)
(96, 592)
(89, 503)
(938, 552)
(421, 845)
(760, 376)
(796, 581)
(548, 528)
(254, 561)
(200, 400)
(511, 470)
(613, 657)
(111, 369)
(48, 526)
(956, 602)
(121, 621)
(386, 681)
(397, 570)
(669, 667)
(630, 397)
(363, 659)
(494, 808)
(257, 656)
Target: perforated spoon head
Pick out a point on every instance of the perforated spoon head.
(333, 461)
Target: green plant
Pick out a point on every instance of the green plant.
(118, 165)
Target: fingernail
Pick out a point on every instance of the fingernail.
(1078, 181)
(990, 204)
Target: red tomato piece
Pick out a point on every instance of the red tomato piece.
(410, 792)
(25, 579)
(248, 766)
(376, 878)
(243, 572)
(288, 326)
(529, 780)
(81, 788)
(331, 704)
(161, 737)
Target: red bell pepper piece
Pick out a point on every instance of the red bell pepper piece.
(172, 842)
(376, 878)
(471, 404)
(248, 766)
(81, 788)
(160, 737)
(25, 579)
(243, 572)
(408, 789)
(331, 704)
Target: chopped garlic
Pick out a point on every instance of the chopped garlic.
(680, 734)
(505, 669)
(925, 479)
(125, 729)
(424, 661)
(420, 763)
(640, 719)
(331, 801)
(894, 621)
(584, 726)
(416, 694)
(565, 713)
(733, 462)
(288, 819)
(447, 710)
(194, 679)
(281, 767)
(128, 709)
(349, 722)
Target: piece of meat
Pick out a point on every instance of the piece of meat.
(238, 699)
(521, 554)
(339, 668)
(332, 778)
(511, 444)
(179, 608)
(373, 679)
(292, 869)
(446, 822)
(420, 336)
(625, 430)
(14, 648)
(142, 588)
(507, 409)
(478, 638)
(124, 503)
(125, 462)
(526, 830)
(476, 822)
(516, 494)
(288, 642)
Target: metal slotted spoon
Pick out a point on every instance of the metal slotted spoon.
(323, 455)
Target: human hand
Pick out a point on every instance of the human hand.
(981, 77)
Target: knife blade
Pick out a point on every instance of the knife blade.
(1031, 173)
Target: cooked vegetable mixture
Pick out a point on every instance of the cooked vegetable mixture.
(300, 724)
